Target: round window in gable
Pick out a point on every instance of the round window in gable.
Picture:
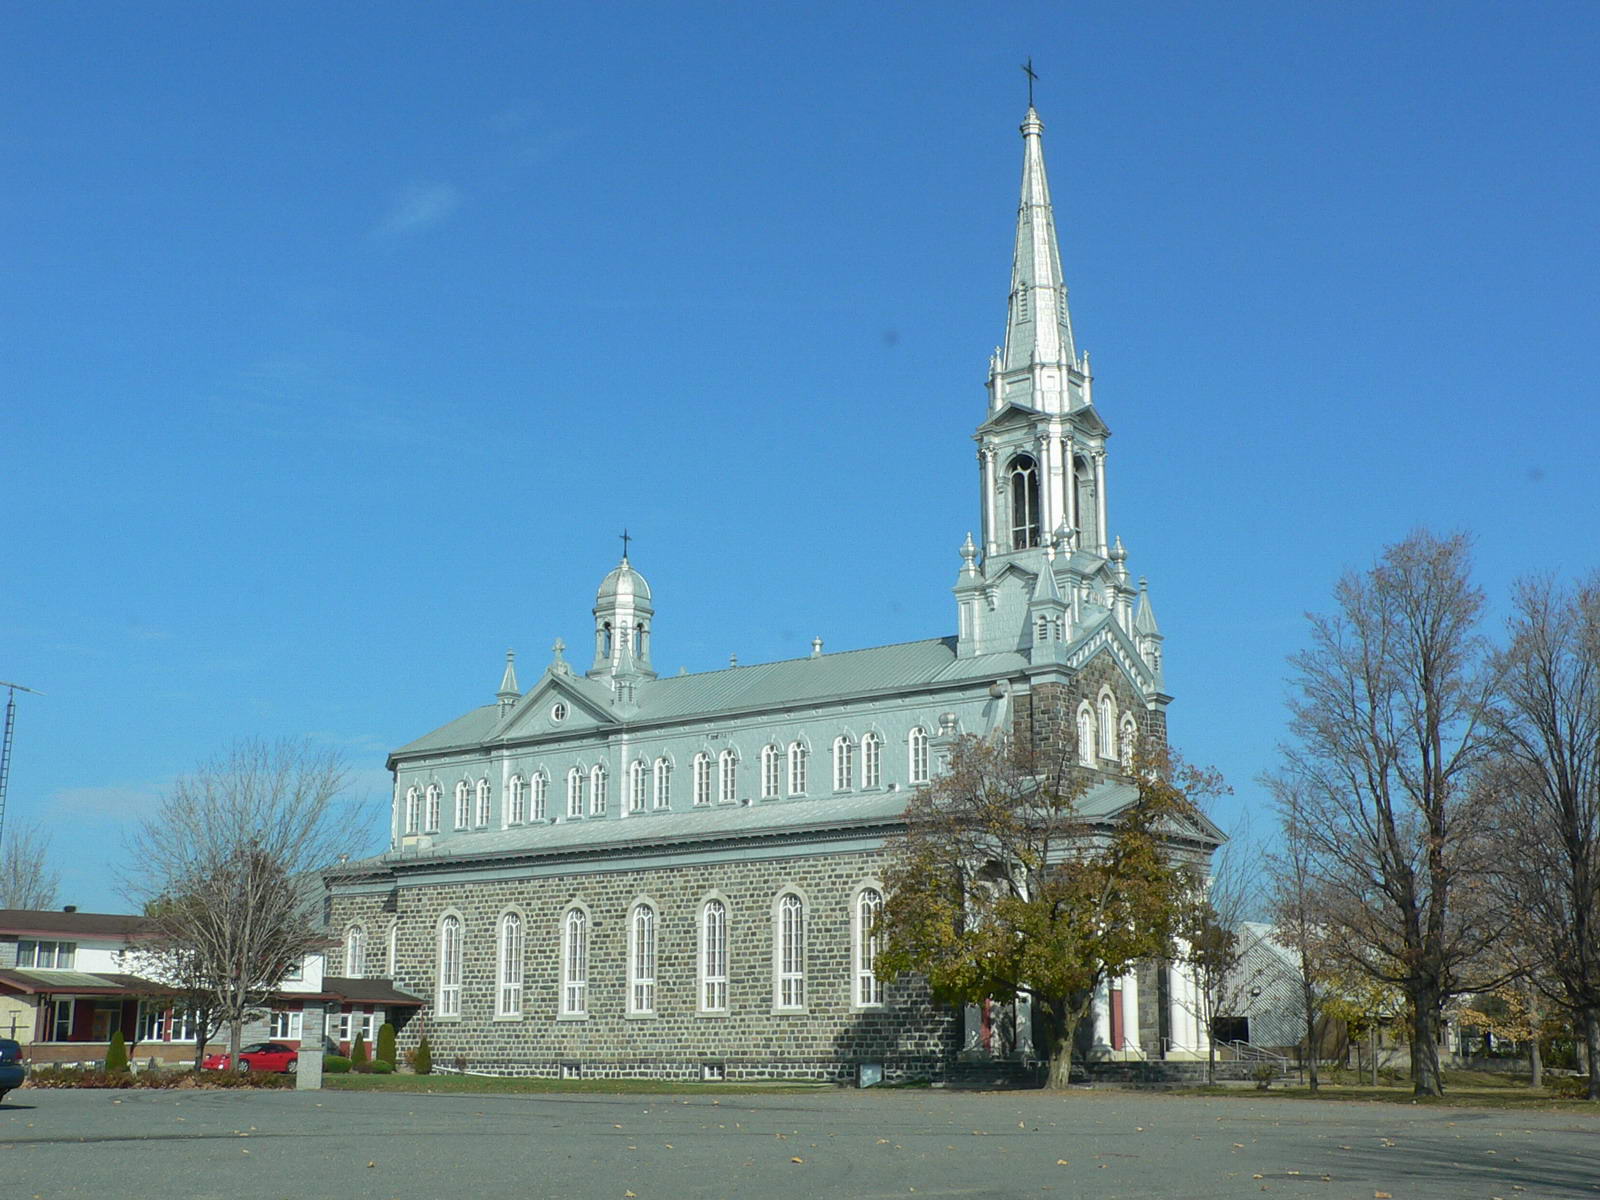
(558, 711)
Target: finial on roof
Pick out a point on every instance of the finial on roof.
(1118, 552)
(626, 538)
(816, 642)
(1144, 621)
(733, 660)
(508, 681)
(1027, 69)
(557, 663)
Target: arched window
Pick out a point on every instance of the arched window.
(480, 815)
(448, 1001)
(463, 805)
(355, 951)
(435, 801)
(541, 795)
(663, 772)
(917, 755)
(844, 764)
(1108, 726)
(642, 959)
(636, 786)
(1086, 735)
(509, 993)
(1127, 741)
(575, 792)
(714, 956)
(413, 810)
(728, 770)
(575, 964)
(871, 760)
(597, 790)
(864, 947)
(789, 952)
(1024, 474)
(516, 801)
(702, 779)
(771, 771)
(797, 769)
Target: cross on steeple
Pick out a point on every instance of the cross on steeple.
(625, 540)
(1027, 69)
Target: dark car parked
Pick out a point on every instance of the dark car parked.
(12, 1072)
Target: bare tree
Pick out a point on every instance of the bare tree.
(1388, 726)
(1548, 776)
(219, 866)
(26, 880)
(1215, 951)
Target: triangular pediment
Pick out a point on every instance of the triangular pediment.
(1103, 637)
(559, 703)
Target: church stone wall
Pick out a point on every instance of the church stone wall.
(1046, 715)
(912, 1037)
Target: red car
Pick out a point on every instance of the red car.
(258, 1056)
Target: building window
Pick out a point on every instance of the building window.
(61, 1020)
(480, 815)
(575, 792)
(1086, 735)
(1108, 726)
(516, 801)
(871, 761)
(50, 955)
(448, 1003)
(844, 764)
(413, 810)
(864, 948)
(917, 754)
(789, 949)
(541, 794)
(728, 766)
(714, 956)
(435, 801)
(151, 1025)
(355, 951)
(597, 790)
(286, 1026)
(771, 770)
(663, 773)
(509, 993)
(575, 964)
(702, 779)
(797, 769)
(296, 971)
(1126, 742)
(636, 786)
(463, 806)
(642, 959)
(1024, 502)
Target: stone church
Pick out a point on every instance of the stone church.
(614, 873)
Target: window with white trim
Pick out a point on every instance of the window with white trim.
(575, 792)
(917, 755)
(480, 814)
(714, 956)
(50, 955)
(413, 810)
(508, 1002)
(597, 790)
(844, 764)
(642, 959)
(355, 951)
(463, 805)
(728, 768)
(435, 802)
(1108, 726)
(797, 768)
(1086, 735)
(539, 786)
(663, 782)
(868, 990)
(575, 963)
(1127, 740)
(771, 772)
(871, 760)
(286, 1025)
(151, 1023)
(702, 779)
(789, 949)
(448, 1000)
(516, 801)
(636, 786)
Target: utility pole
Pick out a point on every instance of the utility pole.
(5, 746)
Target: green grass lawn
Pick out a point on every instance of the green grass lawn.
(1462, 1089)
(496, 1085)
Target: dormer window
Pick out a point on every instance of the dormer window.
(1024, 477)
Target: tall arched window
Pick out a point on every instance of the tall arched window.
(702, 779)
(575, 964)
(771, 771)
(435, 801)
(642, 959)
(789, 951)
(1024, 474)
(413, 810)
(480, 814)
(355, 951)
(1127, 741)
(575, 792)
(541, 795)
(728, 769)
(597, 790)
(797, 769)
(1108, 726)
(868, 991)
(917, 755)
(509, 974)
(516, 801)
(844, 764)
(714, 956)
(663, 773)
(871, 760)
(1086, 735)
(448, 1000)
(463, 805)
(636, 786)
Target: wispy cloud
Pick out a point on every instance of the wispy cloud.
(417, 208)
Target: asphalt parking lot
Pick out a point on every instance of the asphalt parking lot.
(243, 1145)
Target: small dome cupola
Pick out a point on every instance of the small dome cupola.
(623, 620)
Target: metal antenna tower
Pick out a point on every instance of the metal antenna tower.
(5, 746)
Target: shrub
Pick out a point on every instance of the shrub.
(1568, 1087)
(335, 1064)
(95, 1077)
(117, 1054)
(422, 1058)
(380, 1067)
(386, 1044)
(358, 1053)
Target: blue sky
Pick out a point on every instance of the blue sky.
(342, 340)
